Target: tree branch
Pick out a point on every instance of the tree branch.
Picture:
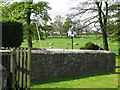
(90, 18)
(89, 23)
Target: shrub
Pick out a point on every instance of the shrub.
(11, 34)
(91, 46)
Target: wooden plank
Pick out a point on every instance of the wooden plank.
(12, 67)
(16, 70)
(18, 64)
(28, 67)
(22, 67)
(26, 63)
(21, 56)
(25, 67)
(8, 60)
(23, 70)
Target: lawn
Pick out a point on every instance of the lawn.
(108, 80)
(94, 80)
(62, 43)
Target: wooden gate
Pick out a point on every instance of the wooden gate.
(17, 61)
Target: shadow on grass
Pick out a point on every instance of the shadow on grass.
(67, 78)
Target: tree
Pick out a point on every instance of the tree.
(99, 16)
(22, 11)
(67, 24)
(79, 27)
(47, 28)
(57, 24)
(28, 21)
(103, 17)
(114, 24)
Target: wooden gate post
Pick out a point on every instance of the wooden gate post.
(29, 61)
(22, 68)
(8, 63)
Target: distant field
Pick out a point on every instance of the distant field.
(62, 43)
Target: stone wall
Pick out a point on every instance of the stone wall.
(61, 62)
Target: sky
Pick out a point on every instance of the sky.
(60, 7)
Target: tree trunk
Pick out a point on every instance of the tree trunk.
(103, 23)
(29, 38)
(45, 34)
(105, 42)
(118, 48)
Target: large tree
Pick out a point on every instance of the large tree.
(67, 24)
(114, 23)
(22, 12)
(58, 23)
(97, 15)
(103, 17)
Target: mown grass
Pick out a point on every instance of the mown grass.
(61, 43)
(94, 80)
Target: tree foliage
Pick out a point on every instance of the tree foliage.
(97, 16)
(58, 23)
(114, 23)
(23, 11)
(67, 24)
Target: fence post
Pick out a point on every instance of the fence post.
(28, 66)
(12, 68)
(16, 69)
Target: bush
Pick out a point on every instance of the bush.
(12, 34)
(91, 46)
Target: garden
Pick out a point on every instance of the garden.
(93, 80)
(28, 27)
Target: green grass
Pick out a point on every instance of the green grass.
(94, 80)
(61, 43)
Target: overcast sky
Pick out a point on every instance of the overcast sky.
(60, 7)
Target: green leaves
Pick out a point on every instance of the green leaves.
(67, 24)
(22, 11)
(114, 24)
(17, 11)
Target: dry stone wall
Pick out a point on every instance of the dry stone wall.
(64, 62)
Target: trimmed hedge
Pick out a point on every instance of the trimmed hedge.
(12, 34)
(91, 46)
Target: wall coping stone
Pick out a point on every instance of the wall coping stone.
(70, 51)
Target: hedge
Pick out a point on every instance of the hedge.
(12, 34)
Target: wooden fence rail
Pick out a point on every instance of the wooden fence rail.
(17, 61)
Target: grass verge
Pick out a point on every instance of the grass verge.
(94, 80)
